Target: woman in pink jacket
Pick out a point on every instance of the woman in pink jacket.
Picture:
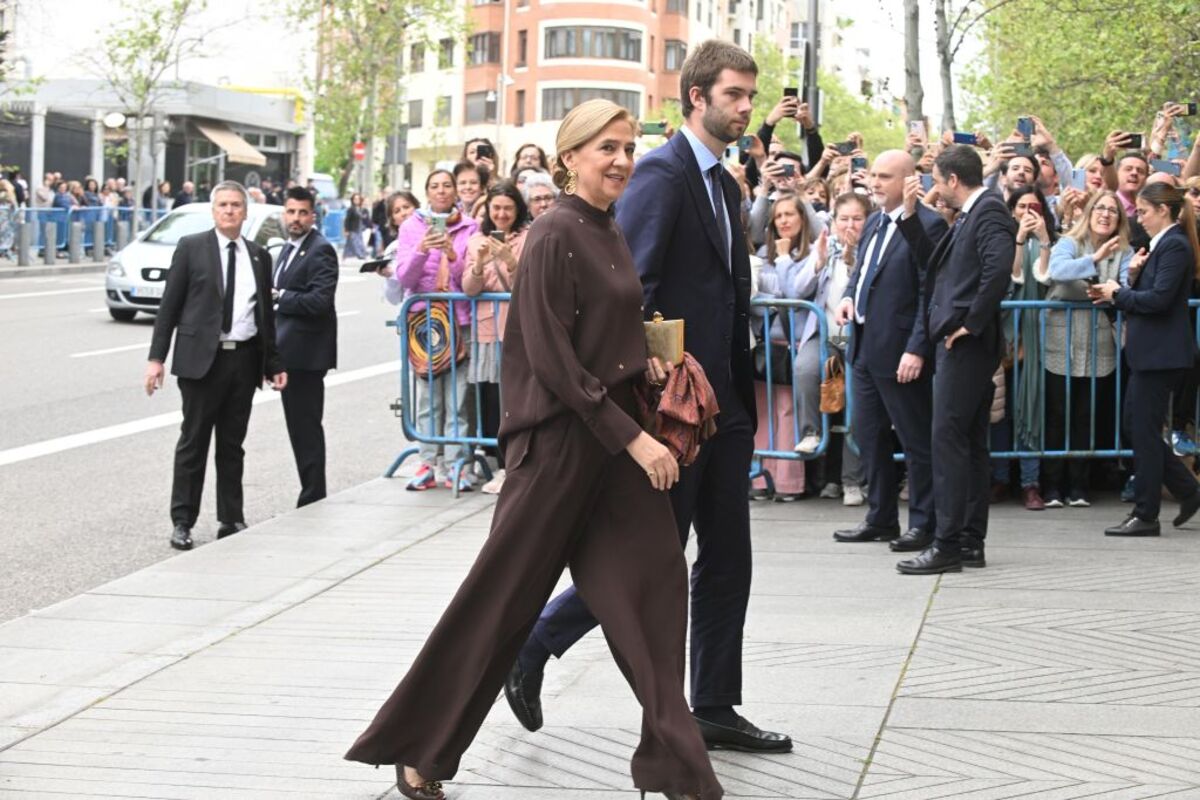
(428, 260)
(492, 256)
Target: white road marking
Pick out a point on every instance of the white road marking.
(50, 446)
(107, 350)
(348, 313)
(51, 294)
(100, 310)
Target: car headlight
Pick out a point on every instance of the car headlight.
(116, 270)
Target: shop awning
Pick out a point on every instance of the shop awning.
(237, 150)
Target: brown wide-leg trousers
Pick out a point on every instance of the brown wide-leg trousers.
(565, 502)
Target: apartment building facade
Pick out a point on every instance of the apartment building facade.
(526, 63)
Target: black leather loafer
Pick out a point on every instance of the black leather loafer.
(973, 556)
(913, 540)
(523, 690)
(181, 538)
(866, 532)
(1132, 526)
(1187, 509)
(931, 561)
(743, 736)
(229, 529)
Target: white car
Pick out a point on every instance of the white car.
(137, 275)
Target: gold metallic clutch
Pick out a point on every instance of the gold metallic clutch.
(664, 339)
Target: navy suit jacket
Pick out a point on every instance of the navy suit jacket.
(1156, 307)
(668, 221)
(305, 317)
(968, 271)
(895, 304)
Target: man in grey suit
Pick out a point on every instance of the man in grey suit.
(217, 303)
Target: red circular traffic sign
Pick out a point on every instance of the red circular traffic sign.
(360, 151)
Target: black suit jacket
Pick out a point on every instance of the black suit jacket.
(1156, 307)
(895, 303)
(305, 317)
(969, 270)
(668, 221)
(192, 302)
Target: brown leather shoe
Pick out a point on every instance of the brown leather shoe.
(429, 790)
(1033, 499)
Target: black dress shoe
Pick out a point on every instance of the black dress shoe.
(523, 690)
(743, 736)
(913, 540)
(181, 538)
(229, 529)
(866, 532)
(1132, 526)
(931, 561)
(972, 556)
(1187, 509)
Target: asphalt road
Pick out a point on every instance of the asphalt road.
(85, 455)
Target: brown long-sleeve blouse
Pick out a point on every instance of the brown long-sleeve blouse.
(574, 327)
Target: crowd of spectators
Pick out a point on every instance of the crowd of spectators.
(803, 212)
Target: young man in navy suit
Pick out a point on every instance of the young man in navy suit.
(680, 218)
(305, 280)
(890, 358)
(967, 275)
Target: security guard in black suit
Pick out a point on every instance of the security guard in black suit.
(305, 280)
(217, 303)
(968, 273)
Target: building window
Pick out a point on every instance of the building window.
(522, 3)
(416, 111)
(486, 2)
(416, 58)
(676, 52)
(677, 7)
(650, 55)
(699, 10)
(621, 44)
(484, 49)
(522, 48)
(557, 102)
(520, 107)
(441, 114)
(480, 108)
(797, 38)
(759, 14)
(445, 54)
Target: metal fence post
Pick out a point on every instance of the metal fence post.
(24, 244)
(122, 234)
(75, 242)
(98, 242)
(49, 248)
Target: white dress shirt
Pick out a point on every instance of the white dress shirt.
(1158, 236)
(244, 289)
(887, 238)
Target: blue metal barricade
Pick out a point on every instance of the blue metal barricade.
(331, 225)
(451, 430)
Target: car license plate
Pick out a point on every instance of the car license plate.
(146, 291)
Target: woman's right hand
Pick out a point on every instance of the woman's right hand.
(656, 460)
(432, 240)
(1106, 250)
(822, 255)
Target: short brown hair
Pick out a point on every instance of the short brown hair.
(704, 65)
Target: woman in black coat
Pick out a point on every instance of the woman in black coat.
(1159, 346)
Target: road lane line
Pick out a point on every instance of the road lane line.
(348, 313)
(143, 346)
(60, 444)
(93, 289)
(100, 310)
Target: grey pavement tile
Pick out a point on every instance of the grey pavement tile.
(96, 669)
(173, 579)
(91, 636)
(943, 714)
(1051, 595)
(176, 611)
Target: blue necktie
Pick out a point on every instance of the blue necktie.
(718, 196)
(284, 255)
(872, 265)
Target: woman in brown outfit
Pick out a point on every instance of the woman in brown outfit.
(574, 345)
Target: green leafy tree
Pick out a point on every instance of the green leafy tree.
(361, 43)
(1085, 67)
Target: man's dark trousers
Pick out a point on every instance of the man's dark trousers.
(303, 409)
(881, 402)
(962, 402)
(711, 494)
(220, 400)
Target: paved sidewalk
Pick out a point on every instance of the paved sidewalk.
(1069, 668)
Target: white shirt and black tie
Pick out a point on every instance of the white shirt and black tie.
(874, 253)
(243, 327)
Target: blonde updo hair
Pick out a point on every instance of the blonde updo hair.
(582, 124)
